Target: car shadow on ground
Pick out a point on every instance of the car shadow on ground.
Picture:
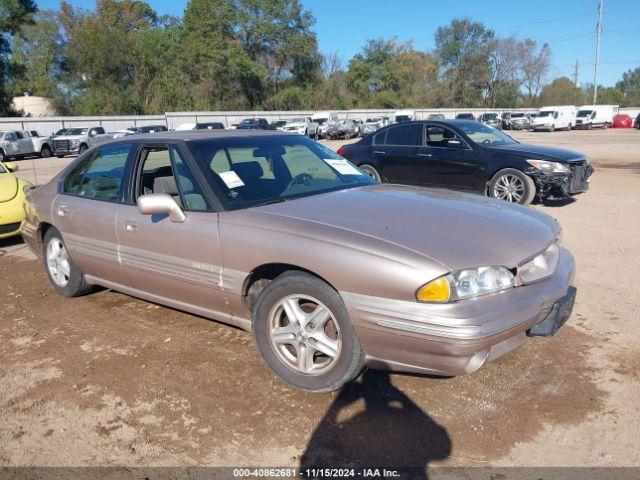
(10, 242)
(390, 432)
(560, 202)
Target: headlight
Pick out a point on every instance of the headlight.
(467, 283)
(75, 143)
(549, 167)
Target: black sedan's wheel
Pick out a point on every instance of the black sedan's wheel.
(302, 330)
(371, 171)
(513, 186)
(65, 276)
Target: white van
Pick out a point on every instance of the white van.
(324, 119)
(404, 116)
(595, 116)
(555, 118)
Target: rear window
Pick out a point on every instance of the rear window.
(410, 134)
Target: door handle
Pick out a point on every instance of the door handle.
(424, 155)
(131, 226)
(380, 152)
(63, 211)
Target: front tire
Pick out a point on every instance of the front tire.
(371, 171)
(83, 148)
(513, 186)
(46, 152)
(303, 333)
(65, 276)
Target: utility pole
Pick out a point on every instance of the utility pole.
(595, 73)
(575, 81)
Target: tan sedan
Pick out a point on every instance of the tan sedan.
(278, 235)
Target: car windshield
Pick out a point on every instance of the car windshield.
(484, 134)
(490, 116)
(320, 121)
(517, 115)
(402, 118)
(61, 131)
(585, 113)
(296, 120)
(546, 113)
(373, 120)
(253, 171)
(248, 121)
(75, 131)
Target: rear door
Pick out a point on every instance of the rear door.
(397, 153)
(448, 160)
(179, 263)
(87, 209)
(12, 145)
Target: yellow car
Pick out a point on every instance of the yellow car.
(11, 200)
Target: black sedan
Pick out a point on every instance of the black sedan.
(468, 155)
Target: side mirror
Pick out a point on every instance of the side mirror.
(161, 204)
(12, 167)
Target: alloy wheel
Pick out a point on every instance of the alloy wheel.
(509, 188)
(304, 334)
(58, 262)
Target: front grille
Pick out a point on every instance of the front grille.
(61, 144)
(579, 175)
(9, 228)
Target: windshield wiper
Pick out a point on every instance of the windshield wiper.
(269, 202)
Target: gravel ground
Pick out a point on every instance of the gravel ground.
(111, 380)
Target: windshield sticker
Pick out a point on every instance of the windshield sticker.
(342, 166)
(231, 179)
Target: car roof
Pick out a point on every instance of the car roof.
(188, 135)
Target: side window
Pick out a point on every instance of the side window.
(156, 174)
(410, 134)
(100, 175)
(440, 137)
(99, 130)
(193, 198)
(19, 135)
(380, 138)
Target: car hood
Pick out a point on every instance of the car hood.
(8, 187)
(455, 229)
(537, 152)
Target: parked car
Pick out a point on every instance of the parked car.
(147, 129)
(372, 124)
(254, 124)
(41, 144)
(303, 126)
(404, 116)
(590, 116)
(343, 129)
(279, 124)
(21, 143)
(12, 192)
(324, 120)
(515, 121)
(78, 140)
(555, 118)
(638, 122)
(185, 126)
(435, 116)
(209, 126)
(470, 156)
(491, 119)
(270, 231)
(622, 120)
(465, 116)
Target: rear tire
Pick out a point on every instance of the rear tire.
(303, 333)
(371, 171)
(512, 186)
(65, 276)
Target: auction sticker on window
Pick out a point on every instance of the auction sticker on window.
(342, 166)
(231, 179)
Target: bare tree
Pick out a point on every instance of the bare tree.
(534, 66)
(504, 63)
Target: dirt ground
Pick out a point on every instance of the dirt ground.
(108, 380)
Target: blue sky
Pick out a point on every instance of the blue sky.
(343, 26)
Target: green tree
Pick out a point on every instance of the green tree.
(562, 91)
(630, 87)
(37, 51)
(14, 14)
(463, 53)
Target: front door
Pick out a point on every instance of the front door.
(175, 263)
(449, 162)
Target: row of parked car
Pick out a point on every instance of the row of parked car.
(563, 117)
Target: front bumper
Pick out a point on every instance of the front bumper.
(456, 338)
(564, 185)
(11, 217)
